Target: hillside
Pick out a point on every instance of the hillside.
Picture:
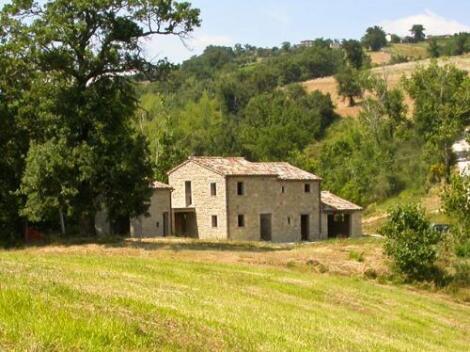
(392, 73)
(213, 296)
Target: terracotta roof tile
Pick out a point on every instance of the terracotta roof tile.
(330, 200)
(237, 166)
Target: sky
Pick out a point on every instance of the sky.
(268, 23)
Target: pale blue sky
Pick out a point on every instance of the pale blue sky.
(268, 23)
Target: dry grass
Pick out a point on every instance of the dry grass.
(332, 255)
(392, 74)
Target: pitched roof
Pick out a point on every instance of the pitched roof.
(332, 201)
(237, 166)
(160, 185)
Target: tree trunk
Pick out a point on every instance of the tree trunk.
(62, 222)
(87, 224)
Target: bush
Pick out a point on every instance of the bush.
(462, 275)
(463, 249)
(411, 242)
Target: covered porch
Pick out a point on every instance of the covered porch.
(339, 217)
(185, 222)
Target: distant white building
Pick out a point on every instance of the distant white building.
(461, 148)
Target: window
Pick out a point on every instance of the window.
(288, 220)
(213, 189)
(158, 224)
(240, 188)
(214, 220)
(307, 188)
(241, 220)
(283, 189)
(188, 193)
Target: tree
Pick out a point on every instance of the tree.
(395, 39)
(354, 53)
(349, 84)
(375, 38)
(278, 123)
(411, 242)
(15, 78)
(418, 33)
(433, 48)
(456, 203)
(441, 108)
(85, 51)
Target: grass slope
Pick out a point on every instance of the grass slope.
(167, 297)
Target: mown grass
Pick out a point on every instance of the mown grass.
(98, 301)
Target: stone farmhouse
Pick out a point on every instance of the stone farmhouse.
(232, 198)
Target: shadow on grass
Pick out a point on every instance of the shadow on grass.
(178, 244)
(151, 244)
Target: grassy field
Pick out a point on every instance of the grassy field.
(391, 73)
(174, 294)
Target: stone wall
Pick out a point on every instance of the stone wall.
(205, 204)
(264, 195)
(152, 225)
(356, 224)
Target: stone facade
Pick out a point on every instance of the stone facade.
(203, 203)
(157, 222)
(286, 201)
(356, 223)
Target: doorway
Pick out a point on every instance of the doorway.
(265, 227)
(304, 227)
(339, 225)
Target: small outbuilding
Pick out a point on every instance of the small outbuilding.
(157, 221)
(339, 217)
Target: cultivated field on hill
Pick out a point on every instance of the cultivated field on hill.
(392, 73)
(175, 294)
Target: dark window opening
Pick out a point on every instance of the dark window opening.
(307, 188)
(283, 190)
(240, 188)
(241, 220)
(213, 189)
(158, 224)
(288, 220)
(188, 193)
(214, 220)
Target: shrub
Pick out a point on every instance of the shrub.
(411, 242)
(353, 255)
(463, 249)
(462, 275)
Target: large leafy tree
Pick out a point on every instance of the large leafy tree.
(349, 84)
(282, 122)
(417, 30)
(375, 38)
(442, 108)
(80, 105)
(354, 53)
(15, 76)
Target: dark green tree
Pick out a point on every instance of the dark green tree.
(82, 103)
(433, 48)
(418, 33)
(354, 53)
(395, 39)
(349, 84)
(375, 38)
